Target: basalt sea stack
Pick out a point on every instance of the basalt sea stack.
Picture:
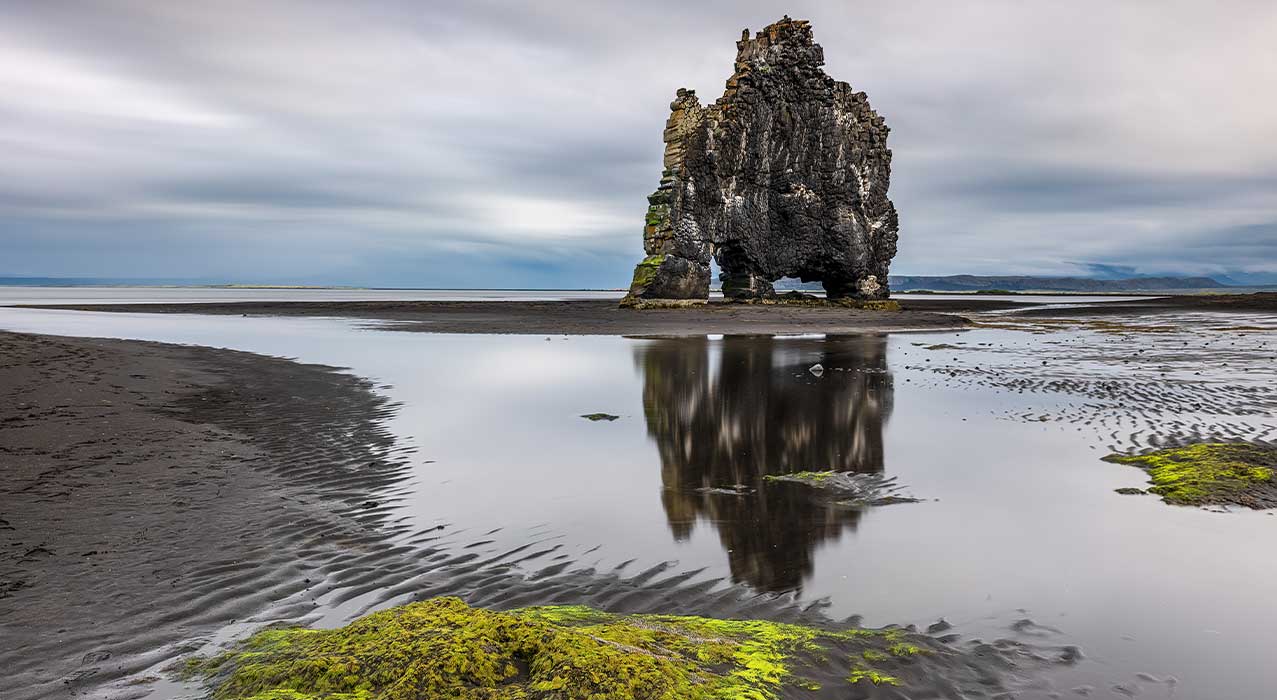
(785, 175)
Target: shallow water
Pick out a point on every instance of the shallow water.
(999, 432)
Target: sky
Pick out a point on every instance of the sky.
(512, 144)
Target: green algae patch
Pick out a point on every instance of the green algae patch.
(443, 648)
(1210, 474)
(905, 649)
(859, 674)
(809, 478)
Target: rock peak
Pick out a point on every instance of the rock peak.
(788, 43)
(785, 175)
(785, 31)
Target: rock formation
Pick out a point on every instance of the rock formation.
(785, 175)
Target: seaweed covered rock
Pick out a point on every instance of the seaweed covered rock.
(443, 648)
(1211, 473)
(785, 175)
(848, 489)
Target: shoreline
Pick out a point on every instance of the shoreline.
(605, 317)
(578, 317)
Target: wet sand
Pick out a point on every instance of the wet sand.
(153, 493)
(1260, 302)
(592, 317)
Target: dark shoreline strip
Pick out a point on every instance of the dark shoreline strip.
(581, 317)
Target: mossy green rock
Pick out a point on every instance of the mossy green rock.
(443, 648)
(1210, 473)
(847, 489)
(645, 271)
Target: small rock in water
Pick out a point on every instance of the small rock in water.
(733, 490)
(599, 416)
(1029, 627)
(848, 489)
(95, 657)
(816, 369)
(1131, 491)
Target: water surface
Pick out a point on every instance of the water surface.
(997, 431)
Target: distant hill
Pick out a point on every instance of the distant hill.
(976, 283)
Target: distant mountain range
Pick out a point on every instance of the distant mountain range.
(978, 283)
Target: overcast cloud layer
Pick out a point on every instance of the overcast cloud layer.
(513, 144)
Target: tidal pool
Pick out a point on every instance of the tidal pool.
(998, 432)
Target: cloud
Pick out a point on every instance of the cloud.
(360, 142)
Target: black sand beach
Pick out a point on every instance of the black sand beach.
(150, 494)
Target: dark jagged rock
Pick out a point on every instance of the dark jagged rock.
(785, 175)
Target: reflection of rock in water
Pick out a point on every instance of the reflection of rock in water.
(730, 412)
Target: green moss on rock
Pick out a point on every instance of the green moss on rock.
(443, 648)
(658, 214)
(1210, 473)
(645, 271)
(872, 304)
